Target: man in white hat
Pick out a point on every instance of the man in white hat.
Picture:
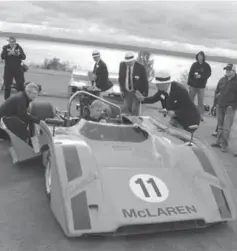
(13, 55)
(100, 71)
(132, 78)
(176, 101)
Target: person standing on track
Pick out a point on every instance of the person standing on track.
(226, 106)
(13, 55)
(199, 73)
(100, 73)
(132, 78)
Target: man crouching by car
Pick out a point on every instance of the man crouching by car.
(17, 104)
(175, 101)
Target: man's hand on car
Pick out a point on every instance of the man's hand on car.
(139, 96)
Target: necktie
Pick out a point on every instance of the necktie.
(129, 79)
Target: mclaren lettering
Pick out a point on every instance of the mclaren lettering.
(159, 212)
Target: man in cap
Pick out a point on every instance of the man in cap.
(226, 106)
(199, 73)
(132, 78)
(100, 71)
(176, 101)
(13, 55)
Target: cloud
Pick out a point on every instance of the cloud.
(205, 23)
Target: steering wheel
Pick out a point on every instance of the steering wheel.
(78, 94)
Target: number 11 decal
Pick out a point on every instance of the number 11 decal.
(151, 181)
(149, 188)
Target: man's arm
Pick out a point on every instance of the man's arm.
(22, 54)
(23, 115)
(217, 92)
(144, 81)
(191, 73)
(207, 72)
(153, 99)
(4, 53)
(121, 77)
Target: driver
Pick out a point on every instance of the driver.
(99, 111)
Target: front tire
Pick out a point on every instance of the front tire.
(48, 176)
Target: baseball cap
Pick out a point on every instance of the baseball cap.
(11, 39)
(230, 67)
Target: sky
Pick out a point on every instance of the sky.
(165, 24)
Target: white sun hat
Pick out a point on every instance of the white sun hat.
(161, 77)
(129, 56)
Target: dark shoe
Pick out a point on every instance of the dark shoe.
(224, 149)
(216, 145)
(214, 134)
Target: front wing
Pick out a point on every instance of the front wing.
(77, 192)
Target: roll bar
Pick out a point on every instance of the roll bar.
(94, 96)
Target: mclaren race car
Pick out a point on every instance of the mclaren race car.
(124, 175)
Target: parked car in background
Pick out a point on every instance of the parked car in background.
(81, 78)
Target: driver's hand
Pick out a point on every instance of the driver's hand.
(171, 114)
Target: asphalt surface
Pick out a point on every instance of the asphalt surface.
(27, 223)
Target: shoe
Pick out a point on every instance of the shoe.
(214, 134)
(216, 145)
(223, 149)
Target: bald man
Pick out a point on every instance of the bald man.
(17, 104)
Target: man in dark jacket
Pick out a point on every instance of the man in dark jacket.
(100, 72)
(226, 106)
(132, 78)
(13, 55)
(199, 73)
(177, 101)
(17, 105)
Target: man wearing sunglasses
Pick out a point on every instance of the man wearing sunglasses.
(226, 106)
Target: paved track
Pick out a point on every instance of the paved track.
(27, 224)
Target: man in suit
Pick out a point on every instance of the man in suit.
(13, 55)
(132, 78)
(177, 102)
(100, 73)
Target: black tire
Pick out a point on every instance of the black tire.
(48, 175)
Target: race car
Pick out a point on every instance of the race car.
(82, 78)
(126, 175)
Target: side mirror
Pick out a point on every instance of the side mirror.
(192, 129)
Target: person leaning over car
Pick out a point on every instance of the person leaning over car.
(17, 104)
(177, 102)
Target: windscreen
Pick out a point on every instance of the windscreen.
(111, 132)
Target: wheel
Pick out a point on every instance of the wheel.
(48, 176)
